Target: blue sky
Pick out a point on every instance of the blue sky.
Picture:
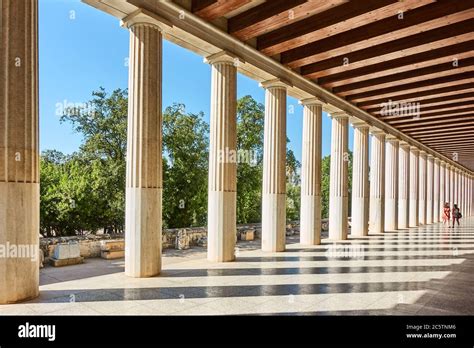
(81, 49)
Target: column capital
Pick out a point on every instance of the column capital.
(311, 101)
(423, 153)
(391, 138)
(403, 143)
(360, 124)
(430, 157)
(275, 83)
(377, 131)
(414, 149)
(437, 160)
(145, 18)
(223, 57)
(339, 115)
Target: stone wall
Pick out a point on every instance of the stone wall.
(176, 238)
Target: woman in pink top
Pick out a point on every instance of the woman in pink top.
(446, 213)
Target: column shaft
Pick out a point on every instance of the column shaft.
(274, 173)
(222, 188)
(422, 189)
(442, 189)
(403, 185)
(429, 189)
(391, 184)
(19, 151)
(310, 220)
(377, 183)
(360, 181)
(414, 202)
(144, 153)
(338, 187)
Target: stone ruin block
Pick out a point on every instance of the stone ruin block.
(247, 235)
(67, 254)
(112, 249)
(182, 239)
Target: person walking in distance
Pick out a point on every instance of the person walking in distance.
(456, 214)
(446, 214)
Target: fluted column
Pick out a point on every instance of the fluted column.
(429, 189)
(471, 196)
(403, 185)
(338, 187)
(463, 193)
(442, 189)
(310, 220)
(144, 151)
(422, 189)
(436, 191)
(19, 157)
(377, 183)
(222, 187)
(360, 181)
(274, 161)
(391, 184)
(455, 186)
(451, 186)
(414, 172)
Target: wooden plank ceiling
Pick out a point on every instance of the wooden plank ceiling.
(409, 63)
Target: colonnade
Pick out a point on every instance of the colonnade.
(407, 186)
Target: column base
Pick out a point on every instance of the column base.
(143, 232)
(359, 217)
(310, 220)
(338, 224)
(221, 226)
(377, 216)
(391, 220)
(403, 214)
(273, 222)
(19, 242)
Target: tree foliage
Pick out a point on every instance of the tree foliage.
(85, 191)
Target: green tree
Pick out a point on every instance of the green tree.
(293, 190)
(185, 168)
(250, 122)
(325, 180)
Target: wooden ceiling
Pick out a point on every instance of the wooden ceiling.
(410, 63)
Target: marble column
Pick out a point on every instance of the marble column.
(436, 190)
(274, 171)
(455, 186)
(429, 189)
(422, 188)
(338, 187)
(442, 189)
(463, 194)
(403, 185)
(310, 220)
(222, 187)
(471, 195)
(391, 183)
(19, 155)
(451, 186)
(143, 207)
(360, 180)
(377, 183)
(414, 172)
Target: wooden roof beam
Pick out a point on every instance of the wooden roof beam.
(419, 85)
(392, 27)
(212, 9)
(448, 51)
(399, 46)
(412, 97)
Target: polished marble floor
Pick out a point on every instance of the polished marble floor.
(421, 271)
